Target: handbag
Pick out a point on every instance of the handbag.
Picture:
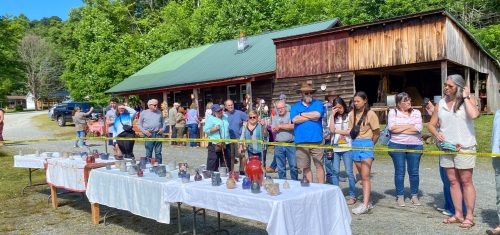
(357, 128)
(126, 128)
(385, 135)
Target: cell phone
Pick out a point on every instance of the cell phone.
(426, 101)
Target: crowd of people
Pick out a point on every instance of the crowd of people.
(352, 128)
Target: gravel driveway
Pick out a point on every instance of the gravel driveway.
(73, 217)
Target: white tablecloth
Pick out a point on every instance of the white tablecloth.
(142, 196)
(68, 173)
(32, 160)
(318, 209)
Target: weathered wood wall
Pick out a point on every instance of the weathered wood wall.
(343, 86)
(263, 89)
(317, 55)
(398, 43)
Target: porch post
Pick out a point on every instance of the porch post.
(444, 74)
(249, 92)
(467, 77)
(195, 94)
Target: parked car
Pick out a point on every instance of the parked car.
(62, 112)
(51, 111)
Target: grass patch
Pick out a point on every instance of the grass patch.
(12, 180)
(44, 123)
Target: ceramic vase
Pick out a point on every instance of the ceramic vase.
(230, 183)
(246, 183)
(286, 185)
(197, 177)
(255, 188)
(304, 182)
(253, 170)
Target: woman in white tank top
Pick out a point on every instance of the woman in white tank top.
(455, 116)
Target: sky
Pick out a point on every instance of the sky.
(37, 9)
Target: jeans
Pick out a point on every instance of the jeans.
(400, 159)
(153, 145)
(193, 133)
(335, 166)
(496, 166)
(274, 165)
(448, 202)
(80, 135)
(215, 159)
(281, 154)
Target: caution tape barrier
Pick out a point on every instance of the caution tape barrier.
(140, 139)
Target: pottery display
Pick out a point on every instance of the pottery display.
(246, 183)
(223, 171)
(143, 161)
(206, 174)
(140, 173)
(198, 177)
(235, 175)
(253, 170)
(273, 189)
(108, 167)
(216, 180)
(255, 187)
(286, 185)
(304, 182)
(230, 183)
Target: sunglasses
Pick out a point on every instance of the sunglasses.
(253, 117)
(307, 93)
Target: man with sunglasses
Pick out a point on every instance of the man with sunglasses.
(152, 124)
(307, 117)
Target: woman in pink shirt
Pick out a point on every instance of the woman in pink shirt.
(405, 125)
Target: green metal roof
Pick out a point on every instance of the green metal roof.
(214, 61)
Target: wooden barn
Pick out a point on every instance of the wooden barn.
(412, 53)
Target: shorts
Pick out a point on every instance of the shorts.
(304, 156)
(459, 161)
(360, 155)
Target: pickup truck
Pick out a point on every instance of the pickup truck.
(62, 112)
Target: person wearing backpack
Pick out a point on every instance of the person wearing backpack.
(405, 127)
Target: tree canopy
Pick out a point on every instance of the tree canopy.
(106, 41)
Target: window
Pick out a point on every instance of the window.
(231, 92)
(243, 92)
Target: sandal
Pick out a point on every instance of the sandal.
(467, 224)
(351, 201)
(453, 220)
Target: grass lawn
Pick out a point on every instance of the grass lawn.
(44, 123)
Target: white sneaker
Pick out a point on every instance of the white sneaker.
(361, 209)
(401, 201)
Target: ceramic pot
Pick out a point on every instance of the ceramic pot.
(246, 183)
(140, 173)
(185, 177)
(255, 187)
(198, 177)
(286, 185)
(223, 171)
(253, 170)
(268, 181)
(104, 156)
(230, 183)
(216, 180)
(304, 182)
(132, 170)
(273, 189)
(235, 175)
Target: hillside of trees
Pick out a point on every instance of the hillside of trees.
(104, 42)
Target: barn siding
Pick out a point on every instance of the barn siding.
(343, 86)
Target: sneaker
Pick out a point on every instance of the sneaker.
(415, 201)
(447, 213)
(361, 209)
(401, 201)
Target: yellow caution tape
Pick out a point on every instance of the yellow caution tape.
(374, 149)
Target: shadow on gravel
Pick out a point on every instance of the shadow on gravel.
(438, 200)
(490, 217)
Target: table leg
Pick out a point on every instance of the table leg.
(194, 220)
(94, 207)
(30, 171)
(53, 194)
